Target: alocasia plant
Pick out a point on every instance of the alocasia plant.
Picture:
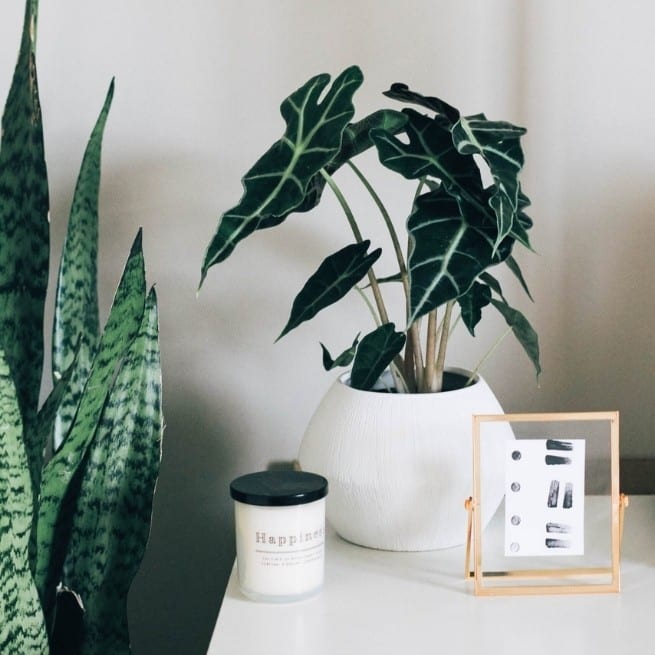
(77, 474)
(457, 228)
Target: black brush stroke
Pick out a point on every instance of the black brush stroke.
(556, 460)
(556, 444)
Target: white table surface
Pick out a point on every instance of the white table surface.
(386, 603)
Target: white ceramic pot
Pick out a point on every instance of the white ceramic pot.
(400, 466)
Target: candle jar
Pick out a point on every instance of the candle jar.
(280, 534)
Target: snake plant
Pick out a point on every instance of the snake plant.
(457, 227)
(77, 473)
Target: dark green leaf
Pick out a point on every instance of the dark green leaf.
(24, 234)
(522, 330)
(344, 359)
(376, 351)
(121, 328)
(400, 91)
(22, 628)
(498, 143)
(333, 279)
(513, 266)
(447, 253)
(112, 521)
(492, 283)
(278, 182)
(431, 152)
(472, 303)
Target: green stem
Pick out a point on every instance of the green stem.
(443, 342)
(369, 304)
(487, 355)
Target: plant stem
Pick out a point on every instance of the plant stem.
(365, 298)
(443, 342)
(487, 355)
(398, 363)
(375, 287)
(430, 353)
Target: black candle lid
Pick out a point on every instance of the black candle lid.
(279, 488)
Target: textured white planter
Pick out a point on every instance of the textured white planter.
(399, 466)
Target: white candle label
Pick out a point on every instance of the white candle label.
(280, 550)
(544, 497)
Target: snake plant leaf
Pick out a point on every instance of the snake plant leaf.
(278, 182)
(333, 279)
(76, 299)
(344, 359)
(375, 352)
(356, 139)
(523, 331)
(498, 143)
(112, 520)
(472, 303)
(22, 627)
(402, 92)
(60, 472)
(447, 252)
(24, 231)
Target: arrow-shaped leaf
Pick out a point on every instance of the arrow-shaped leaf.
(446, 252)
(22, 628)
(112, 521)
(498, 143)
(402, 92)
(344, 359)
(472, 303)
(356, 140)
(333, 279)
(522, 330)
(278, 182)
(376, 351)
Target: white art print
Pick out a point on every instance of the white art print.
(544, 497)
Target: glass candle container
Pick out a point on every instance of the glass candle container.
(280, 534)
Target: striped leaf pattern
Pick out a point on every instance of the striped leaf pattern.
(24, 235)
(111, 524)
(76, 325)
(279, 180)
(22, 628)
(375, 352)
(121, 328)
(333, 279)
(498, 143)
(447, 252)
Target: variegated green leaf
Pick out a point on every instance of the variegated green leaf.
(76, 301)
(344, 359)
(375, 352)
(498, 143)
(111, 524)
(447, 252)
(472, 303)
(22, 628)
(24, 233)
(522, 330)
(278, 182)
(121, 328)
(333, 279)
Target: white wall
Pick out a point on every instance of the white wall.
(198, 87)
